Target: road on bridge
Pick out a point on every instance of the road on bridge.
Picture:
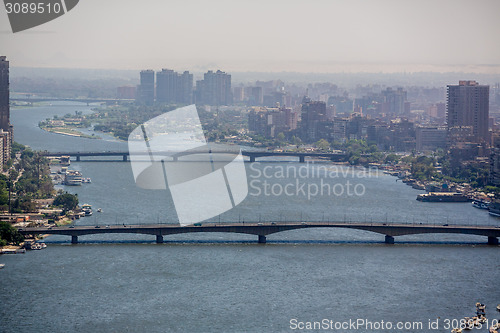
(390, 230)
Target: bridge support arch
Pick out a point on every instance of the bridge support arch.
(74, 239)
(389, 239)
(124, 157)
(302, 159)
(159, 239)
(78, 158)
(492, 240)
(262, 239)
(252, 159)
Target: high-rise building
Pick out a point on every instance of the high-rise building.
(238, 94)
(468, 105)
(166, 86)
(6, 129)
(256, 97)
(313, 113)
(172, 87)
(396, 100)
(494, 177)
(185, 91)
(4, 94)
(146, 90)
(214, 89)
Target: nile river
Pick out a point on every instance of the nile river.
(227, 282)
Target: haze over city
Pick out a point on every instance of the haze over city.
(294, 36)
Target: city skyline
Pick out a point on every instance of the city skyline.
(333, 36)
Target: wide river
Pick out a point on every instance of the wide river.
(344, 280)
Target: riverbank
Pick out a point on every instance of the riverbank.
(405, 175)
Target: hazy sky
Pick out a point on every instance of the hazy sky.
(265, 35)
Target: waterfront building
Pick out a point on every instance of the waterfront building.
(494, 177)
(468, 105)
(340, 129)
(312, 114)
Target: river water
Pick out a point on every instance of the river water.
(227, 282)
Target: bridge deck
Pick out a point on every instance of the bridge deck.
(263, 229)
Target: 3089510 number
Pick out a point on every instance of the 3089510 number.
(33, 8)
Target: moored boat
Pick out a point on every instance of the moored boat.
(73, 178)
(87, 209)
(480, 204)
(442, 197)
(494, 209)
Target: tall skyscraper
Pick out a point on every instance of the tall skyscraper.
(6, 129)
(4, 94)
(468, 106)
(312, 114)
(214, 89)
(185, 91)
(172, 87)
(395, 100)
(166, 86)
(146, 90)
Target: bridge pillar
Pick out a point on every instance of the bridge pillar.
(74, 239)
(78, 158)
(262, 239)
(159, 239)
(302, 159)
(124, 157)
(389, 239)
(176, 158)
(492, 240)
(252, 159)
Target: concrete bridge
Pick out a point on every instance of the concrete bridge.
(389, 230)
(253, 155)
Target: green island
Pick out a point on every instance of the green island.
(68, 125)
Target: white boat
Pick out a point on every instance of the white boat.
(73, 178)
(65, 160)
(87, 209)
(99, 210)
(2, 266)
